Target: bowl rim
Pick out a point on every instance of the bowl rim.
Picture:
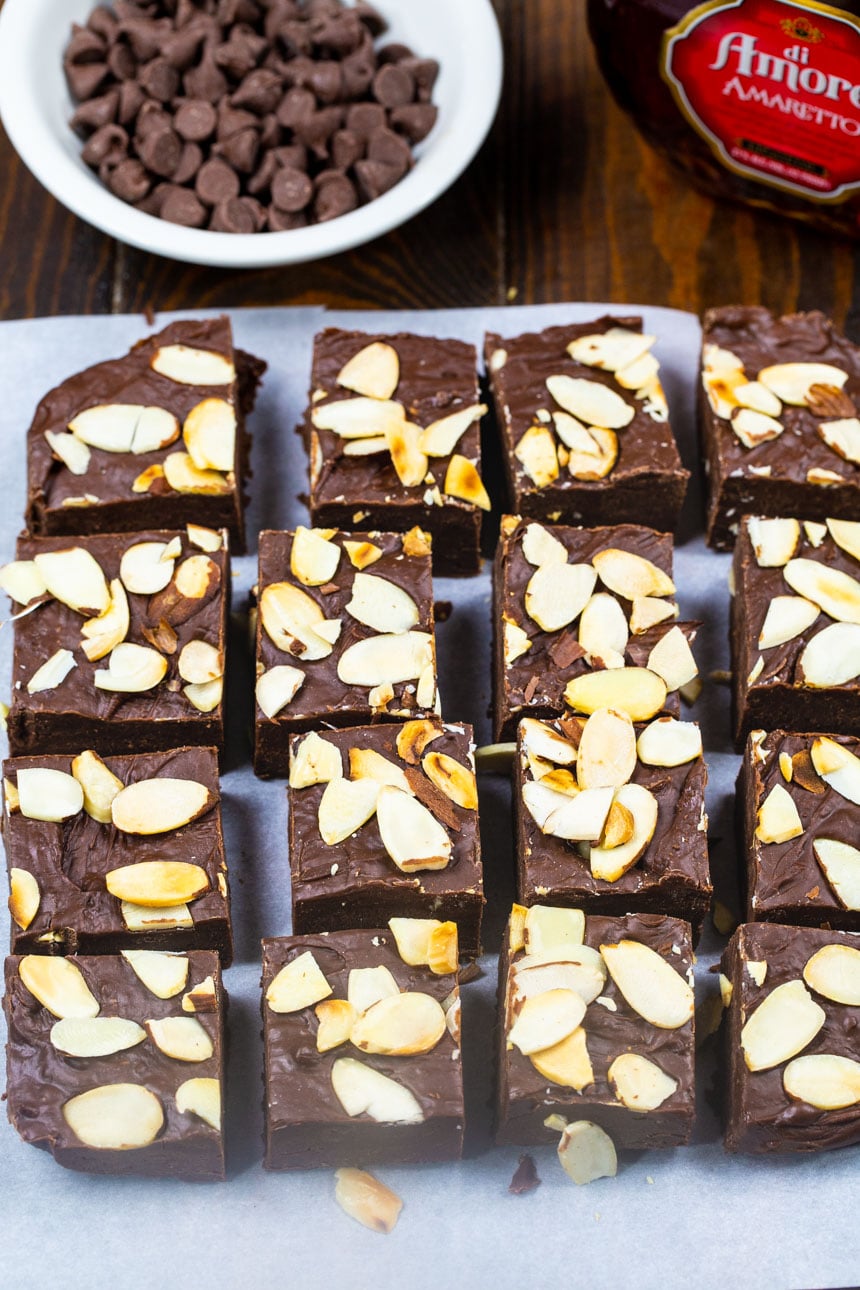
(23, 114)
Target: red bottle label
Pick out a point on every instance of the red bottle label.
(774, 87)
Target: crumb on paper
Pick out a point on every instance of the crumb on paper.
(525, 1177)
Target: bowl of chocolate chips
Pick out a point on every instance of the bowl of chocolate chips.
(248, 133)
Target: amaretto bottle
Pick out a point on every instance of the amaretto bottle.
(758, 100)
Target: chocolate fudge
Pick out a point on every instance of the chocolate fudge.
(585, 425)
(793, 1039)
(362, 1047)
(596, 1024)
(393, 438)
(384, 822)
(123, 648)
(574, 605)
(115, 1063)
(795, 626)
(344, 634)
(778, 409)
(610, 817)
(798, 805)
(113, 854)
(153, 440)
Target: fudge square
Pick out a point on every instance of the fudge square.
(798, 805)
(793, 1038)
(585, 425)
(115, 1063)
(795, 626)
(361, 1033)
(393, 434)
(571, 606)
(151, 440)
(778, 410)
(344, 635)
(124, 648)
(121, 853)
(610, 818)
(596, 1024)
(383, 821)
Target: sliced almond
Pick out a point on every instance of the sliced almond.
(453, 778)
(345, 806)
(667, 742)
(619, 828)
(752, 394)
(754, 428)
(367, 1200)
(70, 450)
(641, 376)
(550, 930)
(638, 1083)
(75, 578)
(292, 619)
(22, 581)
(336, 1019)
(567, 967)
(757, 969)
(581, 818)
(610, 350)
(103, 633)
(10, 797)
(366, 986)
(540, 740)
(146, 567)
(108, 426)
(823, 1080)
(210, 435)
(163, 974)
(720, 385)
(517, 928)
(115, 1117)
(200, 662)
(841, 865)
(49, 795)
(545, 1020)
(188, 365)
(100, 786)
(791, 382)
(145, 480)
(299, 984)
(832, 657)
(52, 672)
(843, 436)
(786, 617)
(837, 593)
(24, 897)
(278, 687)
(159, 806)
(412, 837)
(361, 554)
(586, 1153)
(781, 1026)
(201, 1097)
(95, 1036)
(360, 418)
(593, 450)
(314, 761)
(462, 480)
(630, 575)
(824, 478)
(516, 642)
(382, 605)
(837, 766)
(536, 452)
(414, 736)
(777, 817)
(834, 972)
(408, 460)
(367, 763)
(610, 863)
(540, 547)
(440, 438)
(205, 696)
(815, 532)
(672, 659)
(400, 1026)
(59, 986)
(541, 801)
(142, 918)
(374, 371)
(556, 594)
(650, 985)
(202, 997)
(566, 1063)
(313, 558)
(603, 631)
(157, 883)
(386, 658)
(362, 1090)
(845, 533)
(132, 669)
(443, 951)
(637, 691)
(182, 1038)
(591, 402)
(209, 540)
(774, 541)
(183, 476)
(607, 750)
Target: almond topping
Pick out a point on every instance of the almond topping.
(367, 763)
(278, 687)
(540, 547)
(182, 1038)
(386, 658)
(781, 1026)
(49, 795)
(581, 818)
(823, 1080)
(635, 690)
(845, 533)
(164, 974)
(774, 541)
(777, 817)
(545, 1020)
(132, 669)
(52, 672)
(115, 1117)
(95, 1036)
(611, 350)
(667, 742)
(630, 575)
(591, 402)
(411, 836)
(413, 737)
(313, 558)
(400, 1026)
(754, 395)
(603, 631)
(516, 641)
(299, 984)
(834, 972)
(24, 897)
(145, 480)
(610, 863)
(205, 695)
(540, 740)
(843, 437)
(361, 418)
(550, 930)
(361, 554)
(100, 786)
(566, 1063)
(440, 438)
(291, 618)
(556, 594)
(159, 805)
(209, 540)
(786, 617)
(201, 1097)
(190, 366)
(366, 986)
(345, 806)
(568, 967)
(537, 454)
(210, 435)
(753, 428)
(639, 1083)
(183, 476)
(650, 985)
(374, 371)
(837, 593)
(453, 778)
(75, 578)
(593, 450)
(586, 1152)
(125, 427)
(362, 1090)
(837, 766)
(314, 761)
(832, 657)
(672, 659)
(408, 460)
(462, 480)
(199, 662)
(791, 382)
(157, 883)
(22, 581)
(841, 865)
(142, 918)
(59, 986)
(382, 605)
(68, 449)
(801, 770)
(336, 1019)
(607, 750)
(367, 1200)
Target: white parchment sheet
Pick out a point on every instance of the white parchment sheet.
(690, 1217)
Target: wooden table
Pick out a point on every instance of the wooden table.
(563, 203)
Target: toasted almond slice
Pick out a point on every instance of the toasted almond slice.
(104, 633)
(367, 763)
(361, 554)
(610, 863)
(837, 593)
(201, 1097)
(313, 557)
(566, 1063)
(845, 533)
(591, 402)
(781, 1026)
(70, 450)
(360, 418)
(832, 657)
(581, 818)
(603, 631)
(408, 460)
(834, 972)
(164, 974)
(373, 371)
(556, 594)
(607, 750)
(188, 365)
(143, 918)
(720, 386)
(611, 350)
(823, 1080)
(791, 382)
(382, 605)
(786, 617)
(586, 1152)
(205, 695)
(157, 884)
(462, 480)
(115, 1117)
(774, 541)
(642, 376)
(837, 766)
(440, 438)
(638, 1083)
(824, 478)
(52, 672)
(630, 575)
(567, 967)
(366, 986)
(754, 428)
(202, 997)
(516, 641)
(182, 1038)
(672, 659)
(841, 865)
(184, 476)
(752, 394)
(362, 1090)
(336, 1019)
(517, 928)
(400, 1026)
(536, 453)
(199, 662)
(545, 1020)
(210, 540)
(345, 806)
(100, 786)
(367, 1200)
(108, 426)
(619, 828)
(75, 578)
(635, 690)
(786, 766)
(132, 669)
(159, 806)
(815, 532)
(667, 742)
(843, 436)
(299, 984)
(550, 930)
(414, 736)
(412, 837)
(50, 795)
(95, 1036)
(386, 658)
(368, 447)
(757, 969)
(292, 618)
(583, 441)
(314, 761)
(540, 740)
(453, 778)
(146, 567)
(145, 480)
(777, 817)
(650, 985)
(22, 581)
(24, 897)
(10, 797)
(412, 937)
(542, 801)
(588, 465)
(156, 429)
(59, 985)
(278, 687)
(540, 547)
(443, 953)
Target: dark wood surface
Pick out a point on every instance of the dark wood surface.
(563, 203)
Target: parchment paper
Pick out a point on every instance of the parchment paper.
(689, 1217)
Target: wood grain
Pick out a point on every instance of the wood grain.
(564, 202)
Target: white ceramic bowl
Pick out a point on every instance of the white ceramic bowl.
(35, 108)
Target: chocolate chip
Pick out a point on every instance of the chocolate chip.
(160, 151)
(85, 46)
(129, 181)
(393, 86)
(237, 215)
(263, 175)
(372, 18)
(159, 80)
(180, 48)
(180, 206)
(261, 91)
(291, 190)
(414, 120)
(316, 130)
(385, 145)
(363, 118)
(109, 144)
(340, 34)
(240, 54)
(131, 99)
(424, 72)
(94, 113)
(393, 53)
(195, 120)
(241, 150)
(374, 178)
(296, 105)
(326, 82)
(85, 78)
(190, 161)
(216, 182)
(346, 148)
(270, 134)
(145, 37)
(280, 221)
(151, 118)
(231, 120)
(292, 154)
(206, 81)
(122, 63)
(103, 22)
(335, 197)
(357, 73)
